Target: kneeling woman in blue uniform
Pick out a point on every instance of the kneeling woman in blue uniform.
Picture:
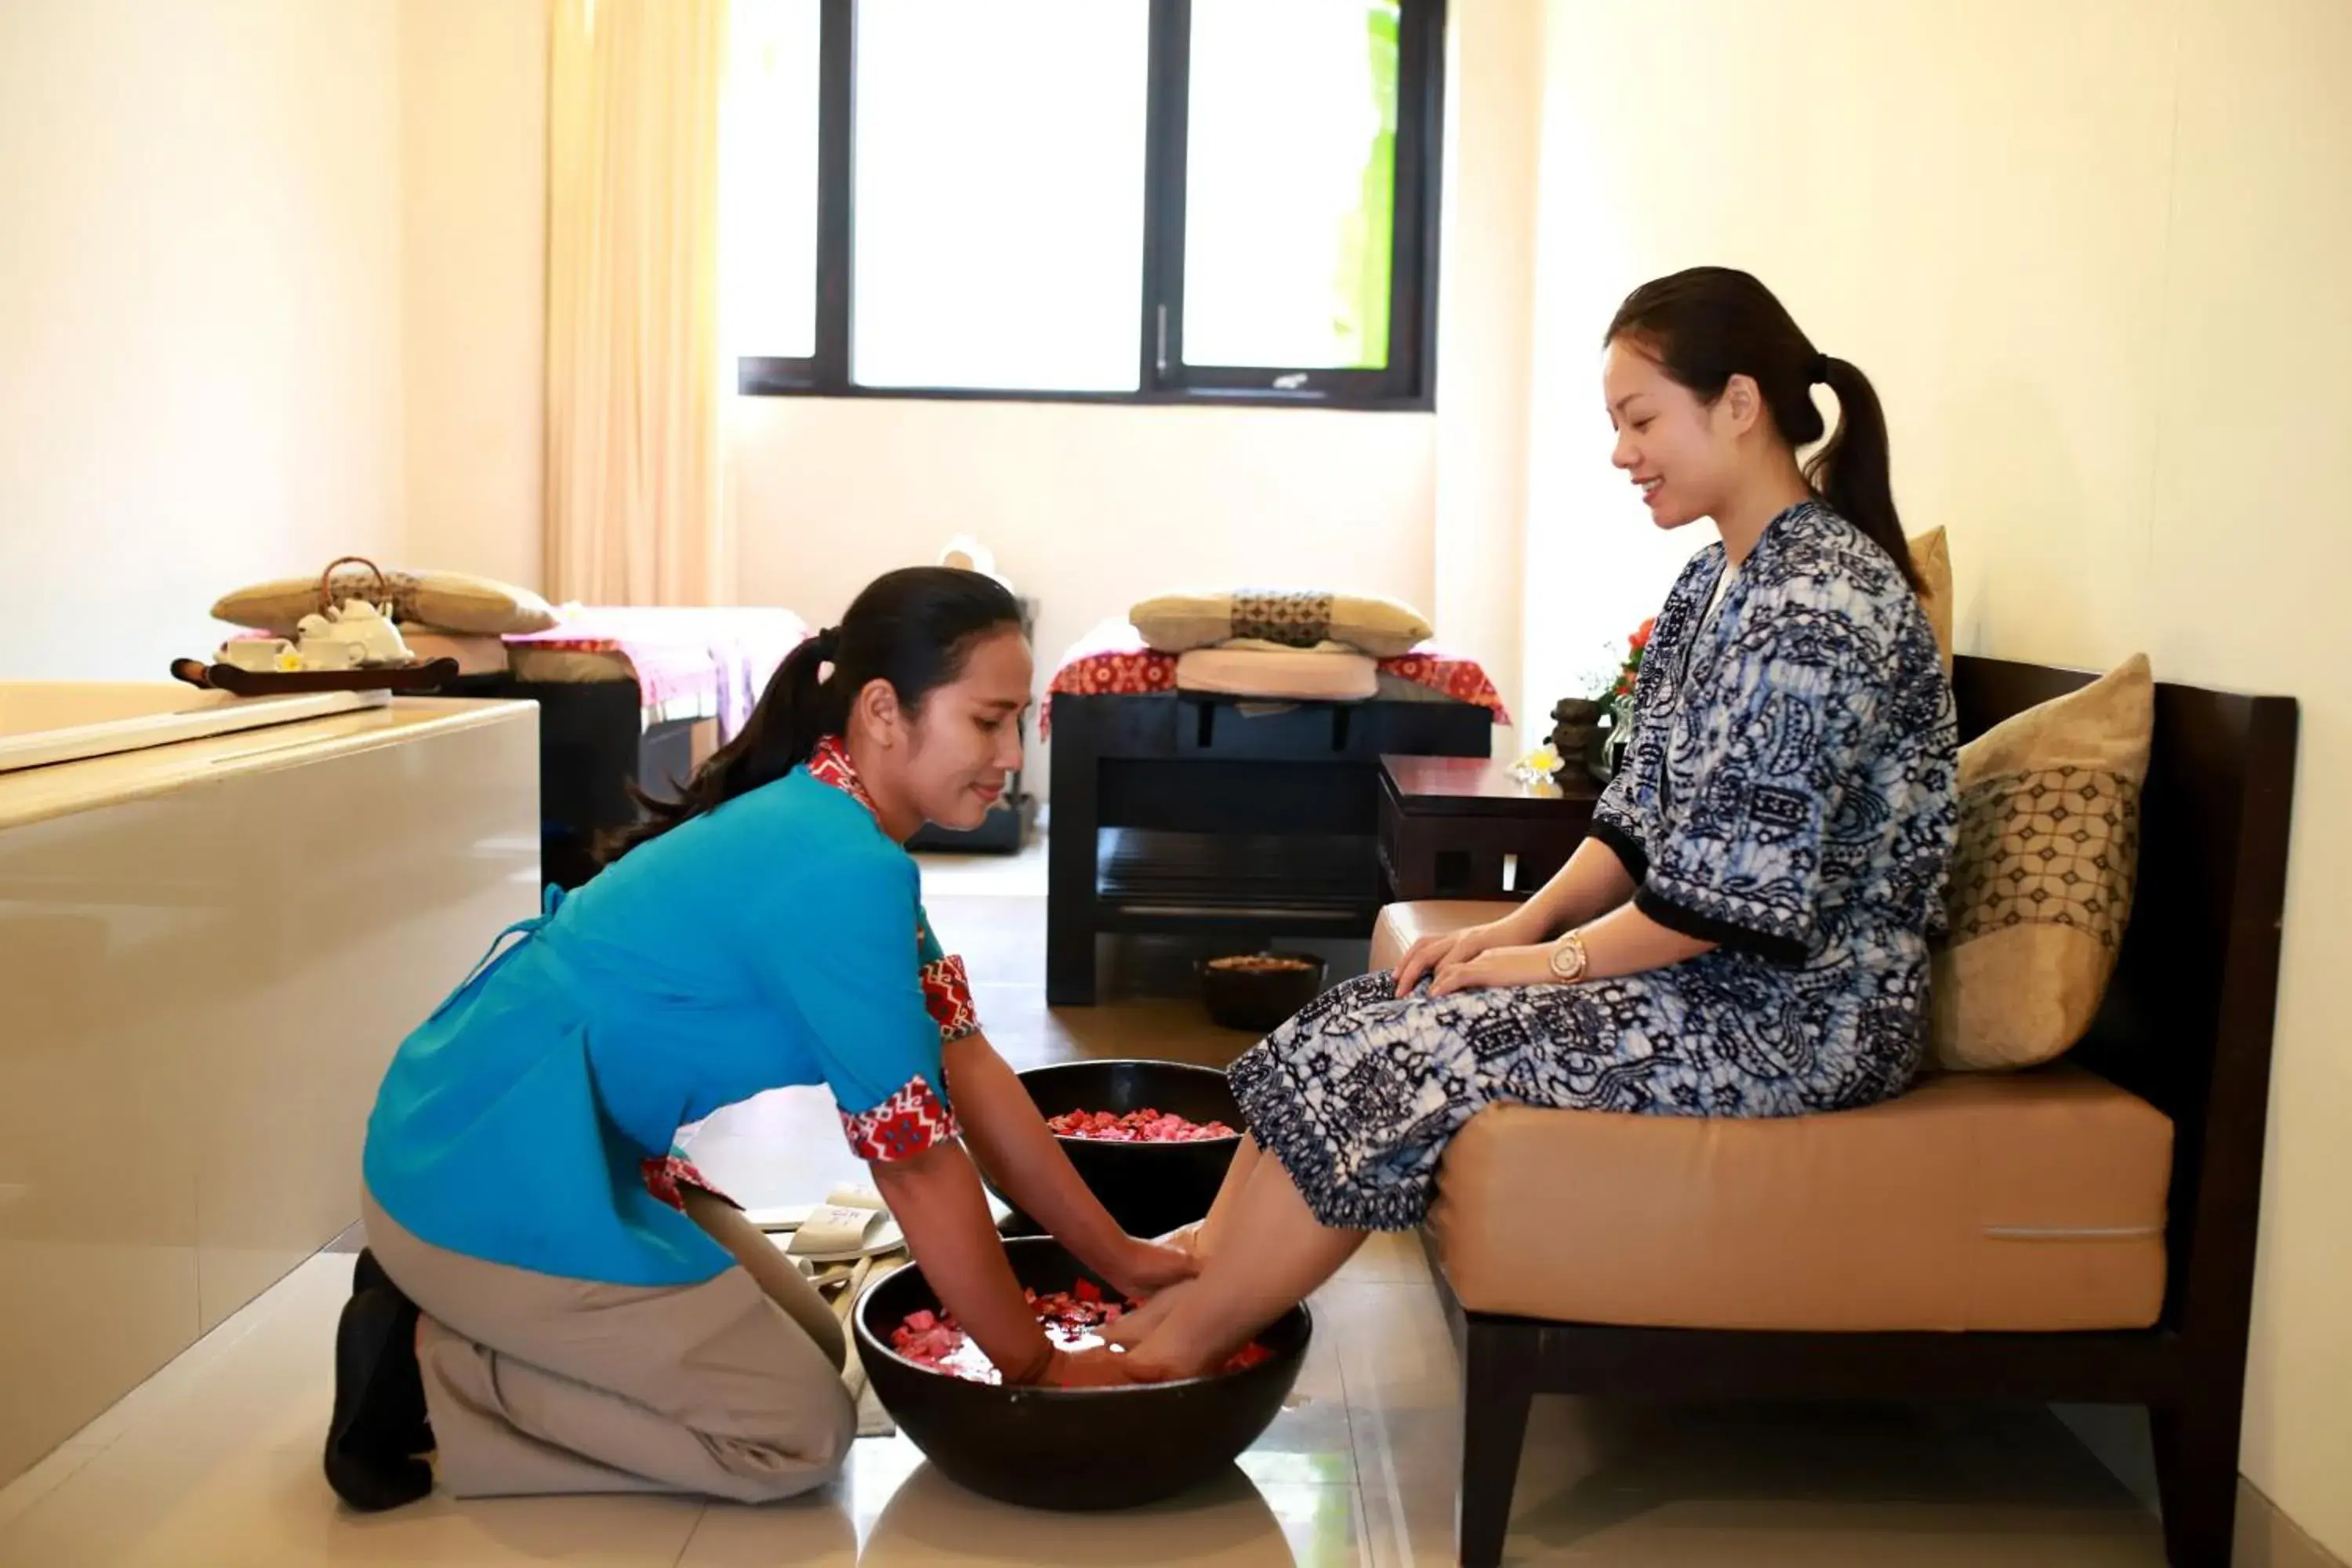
(550, 1300)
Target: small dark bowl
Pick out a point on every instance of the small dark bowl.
(1262, 1000)
(1150, 1188)
(1070, 1449)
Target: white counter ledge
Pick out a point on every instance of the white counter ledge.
(32, 795)
(208, 952)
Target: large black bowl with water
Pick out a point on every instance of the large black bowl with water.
(1070, 1449)
(1150, 1188)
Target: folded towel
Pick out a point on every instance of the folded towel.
(831, 1229)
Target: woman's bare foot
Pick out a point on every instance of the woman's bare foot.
(1185, 1238)
(1129, 1332)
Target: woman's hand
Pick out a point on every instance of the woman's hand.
(1144, 1269)
(1434, 954)
(1098, 1368)
(1497, 969)
(937, 1198)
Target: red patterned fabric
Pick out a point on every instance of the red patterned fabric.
(831, 765)
(1113, 660)
(947, 992)
(1458, 676)
(901, 1127)
(665, 1174)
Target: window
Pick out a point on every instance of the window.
(1160, 201)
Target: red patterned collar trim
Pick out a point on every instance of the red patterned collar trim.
(831, 765)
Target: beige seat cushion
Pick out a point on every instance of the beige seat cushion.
(2028, 1201)
(2025, 1201)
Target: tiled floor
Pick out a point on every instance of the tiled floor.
(216, 1461)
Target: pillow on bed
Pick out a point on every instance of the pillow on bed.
(1267, 669)
(1177, 623)
(446, 601)
(2043, 876)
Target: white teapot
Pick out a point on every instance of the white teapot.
(354, 633)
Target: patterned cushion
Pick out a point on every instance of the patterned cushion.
(1931, 557)
(447, 600)
(2042, 880)
(1177, 623)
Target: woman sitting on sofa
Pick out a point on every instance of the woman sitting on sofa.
(1745, 934)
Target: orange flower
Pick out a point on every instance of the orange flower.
(1641, 637)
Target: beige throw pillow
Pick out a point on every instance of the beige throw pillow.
(446, 601)
(2042, 880)
(1931, 557)
(1178, 623)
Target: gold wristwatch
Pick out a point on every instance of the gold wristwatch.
(1569, 961)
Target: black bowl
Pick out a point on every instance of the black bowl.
(1260, 1000)
(1070, 1449)
(1150, 1188)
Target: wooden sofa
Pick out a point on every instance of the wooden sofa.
(2081, 1233)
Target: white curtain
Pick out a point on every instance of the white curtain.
(636, 382)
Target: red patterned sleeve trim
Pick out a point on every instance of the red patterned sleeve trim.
(902, 1126)
(665, 1173)
(947, 992)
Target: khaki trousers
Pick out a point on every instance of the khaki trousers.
(537, 1383)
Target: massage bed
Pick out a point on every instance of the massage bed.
(628, 696)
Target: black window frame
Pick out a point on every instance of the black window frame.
(1408, 384)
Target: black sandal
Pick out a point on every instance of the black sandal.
(379, 1424)
(367, 1273)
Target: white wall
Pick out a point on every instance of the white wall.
(199, 315)
(1089, 508)
(473, 129)
(1493, 105)
(2094, 257)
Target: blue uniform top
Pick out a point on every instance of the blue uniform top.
(777, 940)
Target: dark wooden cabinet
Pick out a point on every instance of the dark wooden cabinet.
(1175, 813)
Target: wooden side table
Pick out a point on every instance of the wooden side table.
(1451, 825)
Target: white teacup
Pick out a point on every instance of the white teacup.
(331, 653)
(255, 653)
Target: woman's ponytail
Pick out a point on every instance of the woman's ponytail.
(1851, 471)
(799, 709)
